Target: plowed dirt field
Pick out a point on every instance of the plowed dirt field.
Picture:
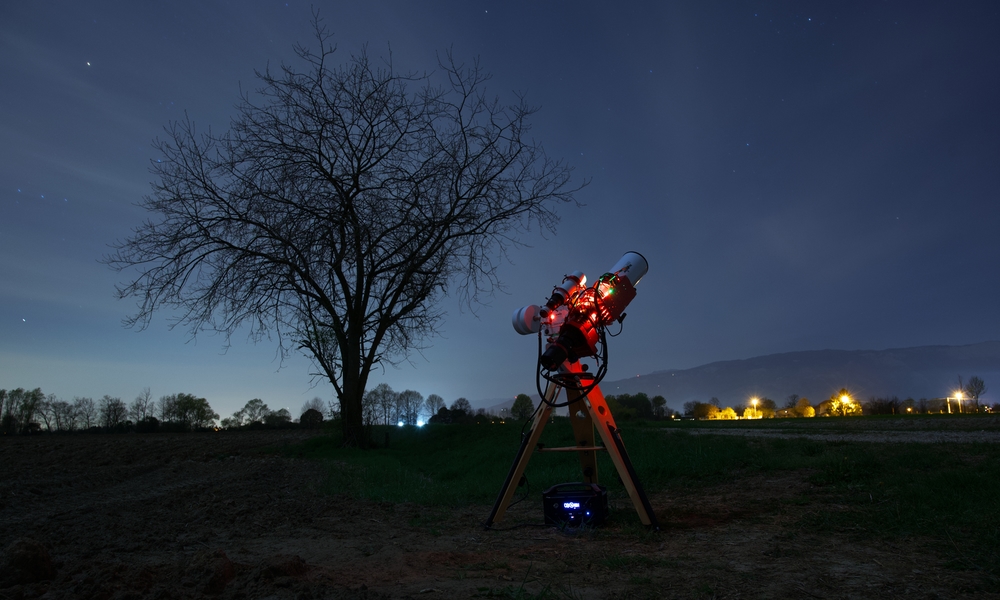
(212, 515)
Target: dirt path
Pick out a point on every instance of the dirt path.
(208, 515)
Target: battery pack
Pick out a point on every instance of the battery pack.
(575, 504)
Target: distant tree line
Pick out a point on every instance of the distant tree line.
(967, 399)
(714, 410)
(30, 411)
(382, 406)
(638, 406)
(255, 414)
(25, 411)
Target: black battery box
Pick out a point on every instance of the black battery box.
(575, 504)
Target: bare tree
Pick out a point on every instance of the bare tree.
(343, 202)
(433, 404)
(46, 410)
(380, 404)
(86, 412)
(975, 388)
(64, 415)
(142, 407)
(167, 407)
(409, 403)
(114, 412)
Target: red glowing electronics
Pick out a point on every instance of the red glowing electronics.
(572, 318)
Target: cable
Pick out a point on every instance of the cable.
(527, 492)
(531, 419)
(600, 356)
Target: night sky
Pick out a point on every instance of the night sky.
(800, 176)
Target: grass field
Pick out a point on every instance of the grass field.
(946, 495)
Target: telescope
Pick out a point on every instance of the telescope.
(573, 324)
(574, 318)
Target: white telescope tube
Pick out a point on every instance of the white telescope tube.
(631, 266)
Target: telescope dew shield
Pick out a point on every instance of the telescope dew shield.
(632, 266)
(616, 289)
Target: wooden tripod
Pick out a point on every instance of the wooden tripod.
(585, 412)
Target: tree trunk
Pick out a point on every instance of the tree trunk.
(351, 410)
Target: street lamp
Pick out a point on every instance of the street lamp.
(754, 402)
(956, 398)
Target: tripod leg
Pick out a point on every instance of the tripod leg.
(583, 433)
(616, 448)
(528, 445)
(636, 492)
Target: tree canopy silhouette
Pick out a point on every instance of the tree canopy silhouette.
(523, 407)
(342, 202)
(975, 388)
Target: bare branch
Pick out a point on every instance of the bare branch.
(343, 201)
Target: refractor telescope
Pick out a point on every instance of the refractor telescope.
(573, 319)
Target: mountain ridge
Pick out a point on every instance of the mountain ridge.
(917, 372)
(913, 372)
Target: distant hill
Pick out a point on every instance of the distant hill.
(921, 372)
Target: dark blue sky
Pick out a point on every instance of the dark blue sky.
(799, 175)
